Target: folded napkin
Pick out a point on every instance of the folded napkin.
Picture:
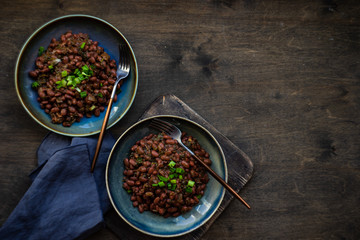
(65, 200)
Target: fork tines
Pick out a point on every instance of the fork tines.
(124, 58)
(161, 125)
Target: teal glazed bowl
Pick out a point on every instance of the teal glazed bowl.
(108, 37)
(148, 222)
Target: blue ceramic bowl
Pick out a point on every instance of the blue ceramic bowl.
(148, 222)
(99, 30)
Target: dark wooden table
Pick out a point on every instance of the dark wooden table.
(280, 79)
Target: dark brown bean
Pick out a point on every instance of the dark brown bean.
(142, 169)
(63, 112)
(33, 74)
(130, 182)
(154, 153)
(132, 162)
(54, 110)
(72, 109)
(97, 112)
(207, 161)
(170, 141)
(185, 164)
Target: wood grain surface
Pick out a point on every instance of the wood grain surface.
(280, 79)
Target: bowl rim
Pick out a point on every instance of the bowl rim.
(38, 30)
(222, 188)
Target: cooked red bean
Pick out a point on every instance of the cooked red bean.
(67, 54)
(152, 175)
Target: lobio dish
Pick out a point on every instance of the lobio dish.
(148, 222)
(108, 38)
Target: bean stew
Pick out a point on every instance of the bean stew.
(162, 177)
(73, 78)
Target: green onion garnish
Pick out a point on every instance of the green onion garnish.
(85, 68)
(155, 185)
(164, 179)
(161, 184)
(191, 183)
(171, 164)
(41, 50)
(82, 45)
(188, 189)
(173, 180)
(100, 95)
(50, 67)
(180, 177)
(92, 107)
(64, 73)
(180, 170)
(35, 84)
(83, 94)
(61, 83)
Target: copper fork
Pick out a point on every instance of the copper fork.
(121, 73)
(175, 134)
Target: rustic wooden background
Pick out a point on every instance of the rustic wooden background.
(280, 79)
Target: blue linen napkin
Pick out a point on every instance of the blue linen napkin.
(65, 200)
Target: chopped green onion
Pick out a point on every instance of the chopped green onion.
(129, 191)
(81, 77)
(41, 50)
(172, 170)
(92, 107)
(191, 183)
(35, 84)
(198, 196)
(164, 179)
(139, 160)
(77, 80)
(85, 68)
(180, 170)
(50, 67)
(82, 45)
(77, 71)
(64, 73)
(169, 185)
(180, 177)
(173, 187)
(78, 89)
(171, 164)
(171, 176)
(188, 189)
(161, 184)
(173, 180)
(100, 95)
(83, 94)
(61, 83)
(155, 185)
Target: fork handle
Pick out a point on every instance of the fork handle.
(102, 132)
(216, 176)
